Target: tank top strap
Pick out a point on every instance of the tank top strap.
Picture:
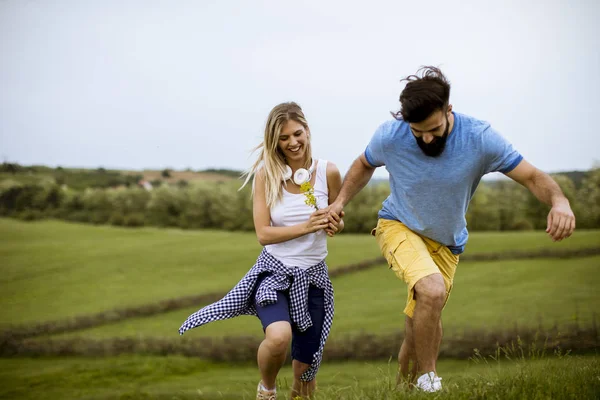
(321, 180)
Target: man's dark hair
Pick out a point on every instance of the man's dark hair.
(425, 92)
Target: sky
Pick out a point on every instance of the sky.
(129, 84)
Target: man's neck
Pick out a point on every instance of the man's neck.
(451, 122)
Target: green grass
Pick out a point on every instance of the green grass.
(495, 242)
(486, 295)
(52, 269)
(140, 377)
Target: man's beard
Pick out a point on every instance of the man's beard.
(437, 145)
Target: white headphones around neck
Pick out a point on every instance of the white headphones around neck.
(301, 176)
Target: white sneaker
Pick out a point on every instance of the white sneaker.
(429, 382)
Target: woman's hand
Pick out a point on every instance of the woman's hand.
(317, 221)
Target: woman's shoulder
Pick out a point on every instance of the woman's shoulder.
(331, 169)
(260, 173)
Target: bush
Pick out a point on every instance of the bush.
(117, 219)
(78, 216)
(522, 225)
(166, 205)
(502, 205)
(134, 220)
(130, 200)
(99, 217)
(30, 215)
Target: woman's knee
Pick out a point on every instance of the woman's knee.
(279, 336)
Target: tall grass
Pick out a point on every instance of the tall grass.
(143, 377)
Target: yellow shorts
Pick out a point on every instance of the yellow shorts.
(413, 257)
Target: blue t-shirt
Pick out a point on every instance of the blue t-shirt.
(430, 195)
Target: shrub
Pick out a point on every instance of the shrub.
(134, 220)
(30, 215)
(117, 219)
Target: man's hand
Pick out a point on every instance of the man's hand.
(335, 215)
(561, 221)
(335, 208)
(336, 223)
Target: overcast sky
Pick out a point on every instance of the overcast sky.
(155, 84)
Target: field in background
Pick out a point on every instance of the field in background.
(54, 270)
(546, 292)
(176, 176)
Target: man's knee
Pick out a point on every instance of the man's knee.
(431, 290)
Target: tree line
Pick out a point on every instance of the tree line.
(496, 206)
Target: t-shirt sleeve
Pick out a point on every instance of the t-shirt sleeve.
(499, 153)
(374, 151)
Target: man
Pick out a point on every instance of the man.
(435, 159)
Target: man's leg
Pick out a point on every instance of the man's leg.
(440, 334)
(406, 356)
(430, 295)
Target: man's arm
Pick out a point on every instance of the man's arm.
(356, 178)
(561, 220)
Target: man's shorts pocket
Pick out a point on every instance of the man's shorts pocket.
(396, 249)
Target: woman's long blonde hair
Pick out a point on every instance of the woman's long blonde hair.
(270, 157)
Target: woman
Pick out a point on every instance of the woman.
(288, 288)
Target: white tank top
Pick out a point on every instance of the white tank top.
(310, 249)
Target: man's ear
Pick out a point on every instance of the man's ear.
(449, 108)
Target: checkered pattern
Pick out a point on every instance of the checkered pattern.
(239, 302)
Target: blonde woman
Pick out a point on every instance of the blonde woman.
(288, 288)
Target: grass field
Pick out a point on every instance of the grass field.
(545, 292)
(139, 377)
(53, 269)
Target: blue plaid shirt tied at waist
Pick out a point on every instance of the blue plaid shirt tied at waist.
(239, 300)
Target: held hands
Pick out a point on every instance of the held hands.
(317, 221)
(325, 219)
(336, 224)
(561, 221)
(335, 215)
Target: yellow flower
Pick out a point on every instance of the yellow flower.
(309, 192)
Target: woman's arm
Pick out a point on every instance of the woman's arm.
(268, 234)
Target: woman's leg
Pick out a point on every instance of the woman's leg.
(275, 319)
(272, 352)
(300, 388)
(306, 344)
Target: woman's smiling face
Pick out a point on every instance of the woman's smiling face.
(293, 140)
